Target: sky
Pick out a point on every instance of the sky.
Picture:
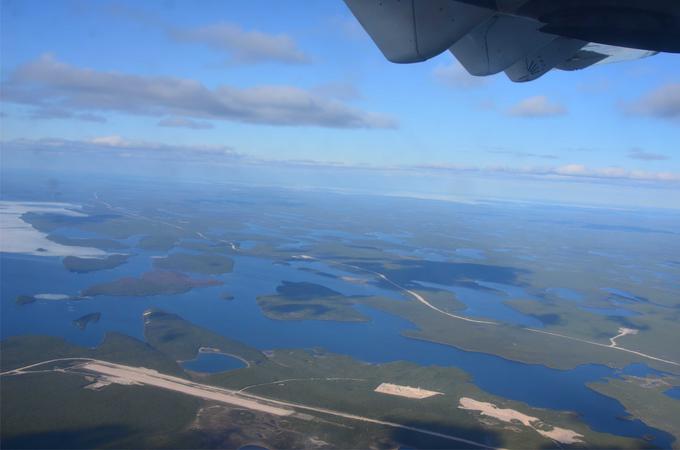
(258, 89)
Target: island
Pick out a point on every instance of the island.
(150, 283)
(84, 265)
(160, 242)
(25, 299)
(309, 301)
(205, 263)
(84, 321)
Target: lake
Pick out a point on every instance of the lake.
(377, 341)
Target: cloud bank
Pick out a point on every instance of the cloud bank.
(638, 153)
(663, 103)
(183, 122)
(117, 146)
(126, 148)
(49, 83)
(243, 47)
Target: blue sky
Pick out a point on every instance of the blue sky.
(300, 81)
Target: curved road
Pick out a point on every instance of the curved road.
(422, 300)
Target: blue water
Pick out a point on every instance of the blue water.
(378, 341)
(471, 253)
(641, 370)
(623, 294)
(673, 392)
(487, 304)
(207, 362)
(427, 254)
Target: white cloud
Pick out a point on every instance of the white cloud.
(50, 113)
(183, 122)
(569, 171)
(47, 82)
(663, 102)
(638, 153)
(537, 106)
(244, 47)
(118, 146)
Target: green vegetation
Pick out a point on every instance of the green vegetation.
(644, 399)
(84, 265)
(207, 246)
(160, 242)
(342, 383)
(309, 301)
(53, 410)
(150, 283)
(84, 321)
(352, 383)
(25, 299)
(25, 350)
(508, 341)
(206, 263)
(181, 340)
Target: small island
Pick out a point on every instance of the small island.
(150, 283)
(84, 321)
(206, 263)
(25, 299)
(157, 242)
(84, 265)
(309, 301)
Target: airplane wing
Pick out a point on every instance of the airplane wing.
(523, 38)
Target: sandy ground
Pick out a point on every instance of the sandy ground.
(561, 435)
(20, 237)
(120, 374)
(623, 331)
(405, 391)
(52, 296)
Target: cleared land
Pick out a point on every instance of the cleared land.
(561, 435)
(117, 373)
(405, 391)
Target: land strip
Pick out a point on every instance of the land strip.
(127, 375)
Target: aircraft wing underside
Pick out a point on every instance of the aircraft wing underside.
(523, 38)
